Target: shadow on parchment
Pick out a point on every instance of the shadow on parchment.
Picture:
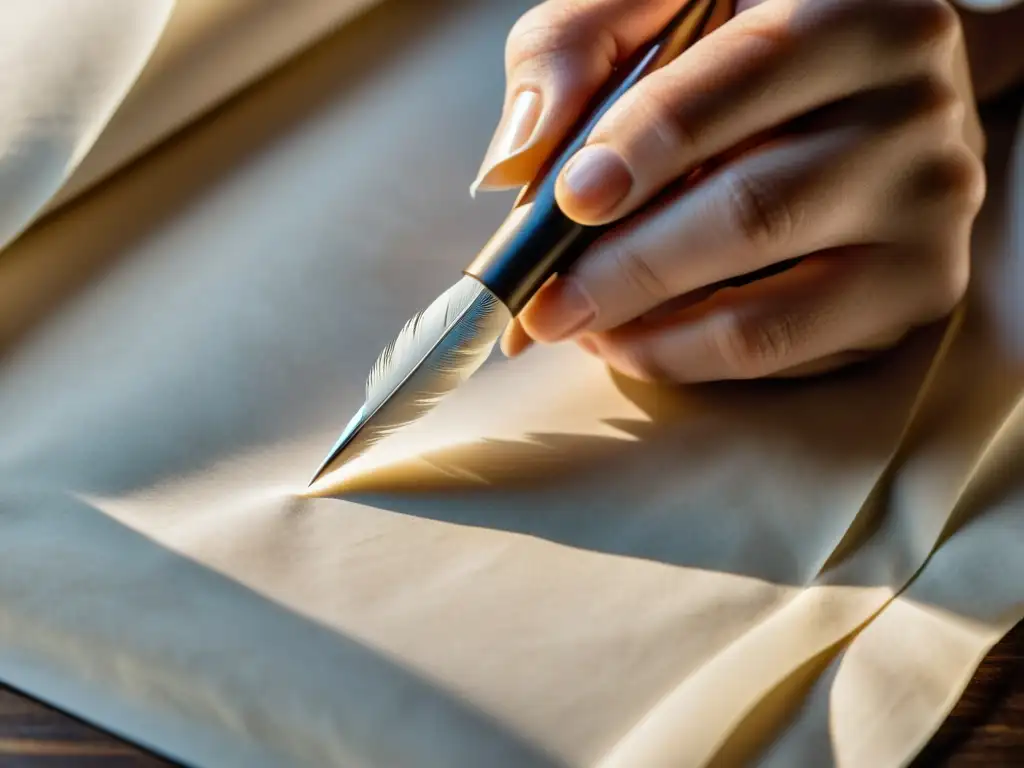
(540, 459)
(826, 418)
(533, 461)
(672, 488)
(806, 693)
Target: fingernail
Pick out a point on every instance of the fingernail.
(596, 179)
(512, 136)
(515, 340)
(562, 310)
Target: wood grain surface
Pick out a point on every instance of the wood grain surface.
(985, 729)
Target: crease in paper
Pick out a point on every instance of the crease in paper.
(562, 615)
(65, 67)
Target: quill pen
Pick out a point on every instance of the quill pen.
(444, 345)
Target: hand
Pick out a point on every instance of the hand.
(836, 136)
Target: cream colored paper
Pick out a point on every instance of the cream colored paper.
(90, 85)
(601, 574)
(886, 694)
(209, 51)
(65, 66)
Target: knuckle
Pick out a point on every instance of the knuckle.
(636, 271)
(925, 22)
(941, 105)
(553, 34)
(862, 19)
(842, 14)
(951, 275)
(934, 96)
(894, 28)
(962, 177)
(967, 178)
(758, 213)
(535, 36)
(752, 347)
(937, 21)
(937, 121)
(949, 112)
(924, 112)
(976, 189)
(643, 362)
(953, 180)
(523, 38)
(662, 118)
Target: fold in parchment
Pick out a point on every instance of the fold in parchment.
(90, 85)
(884, 695)
(165, 392)
(66, 67)
(208, 52)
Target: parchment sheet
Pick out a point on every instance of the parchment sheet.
(208, 51)
(89, 85)
(66, 66)
(610, 575)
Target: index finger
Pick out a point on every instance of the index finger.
(557, 56)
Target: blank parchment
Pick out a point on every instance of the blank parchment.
(557, 566)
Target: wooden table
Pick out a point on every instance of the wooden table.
(985, 729)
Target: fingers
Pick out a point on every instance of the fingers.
(515, 340)
(557, 56)
(781, 201)
(828, 187)
(829, 306)
(765, 67)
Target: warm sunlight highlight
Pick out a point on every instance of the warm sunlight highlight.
(489, 431)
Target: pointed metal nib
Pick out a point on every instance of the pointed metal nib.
(355, 426)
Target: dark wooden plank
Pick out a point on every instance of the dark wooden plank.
(35, 736)
(986, 728)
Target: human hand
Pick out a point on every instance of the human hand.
(841, 134)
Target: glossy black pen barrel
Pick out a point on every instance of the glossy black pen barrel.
(537, 240)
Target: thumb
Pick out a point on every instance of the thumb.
(558, 55)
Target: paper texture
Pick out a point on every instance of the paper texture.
(606, 575)
(67, 65)
(209, 50)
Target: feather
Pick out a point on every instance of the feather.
(435, 352)
(446, 338)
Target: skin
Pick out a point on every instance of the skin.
(836, 138)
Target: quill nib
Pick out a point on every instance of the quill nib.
(355, 425)
(435, 352)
